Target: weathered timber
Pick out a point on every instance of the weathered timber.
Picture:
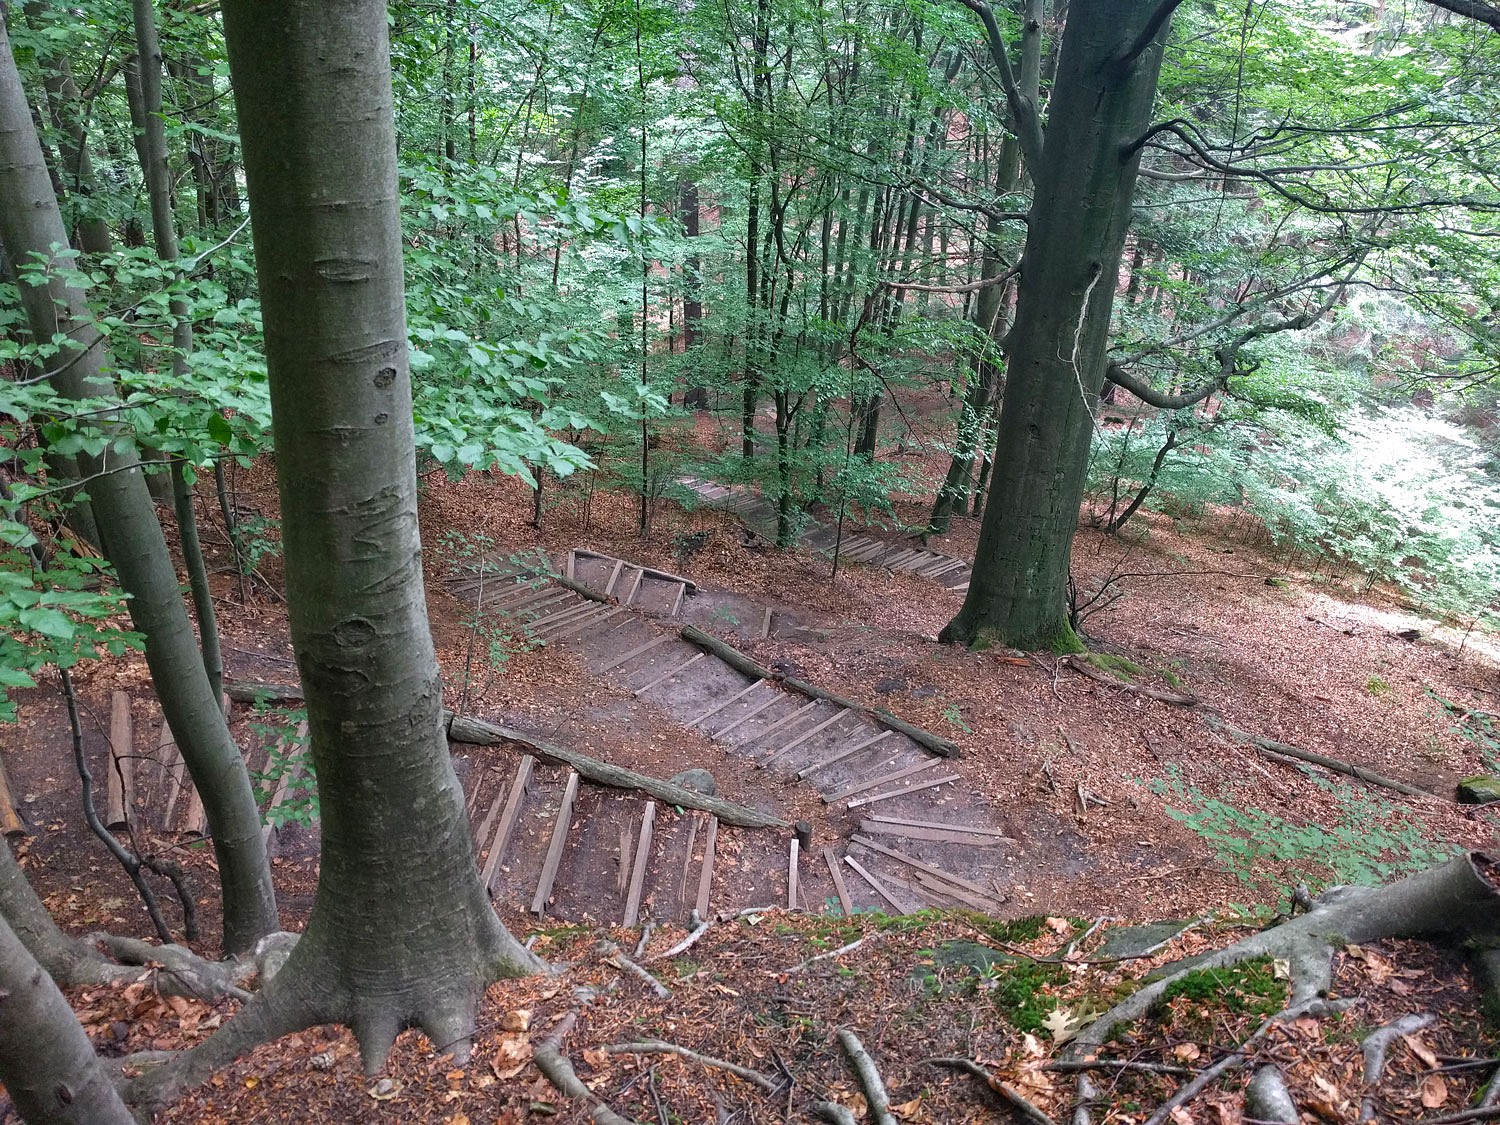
(878, 887)
(791, 875)
(687, 862)
(638, 869)
(659, 680)
(867, 784)
(786, 720)
(614, 576)
(649, 571)
(861, 802)
(956, 835)
(555, 847)
(862, 744)
(1084, 668)
(845, 903)
(723, 732)
(120, 788)
(725, 704)
(579, 626)
(1284, 750)
(10, 820)
(801, 738)
(480, 733)
(927, 868)
(635, 585)
(706, 874)
(936, 744)
(639, 650)
(971, 829)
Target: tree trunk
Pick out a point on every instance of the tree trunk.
(696, 395)
(66, 959)
(47, 1064)
(401, 931)
(1084, 187)
(30, 223)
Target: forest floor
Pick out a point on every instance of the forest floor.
(1120, 805)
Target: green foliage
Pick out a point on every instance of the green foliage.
(288, 761)
(1252, 988)
(1371, 843)
(1025, 992)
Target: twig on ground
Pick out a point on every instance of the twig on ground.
(1374, 1049)
(625, 964)
(558, 1068)
(1011, 1098)
(869, 1078)
(700, 927)
(839, 952)
(1081, 1065)
(1067, 950)
(640, 946)
(661, 1047)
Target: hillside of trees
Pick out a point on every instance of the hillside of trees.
(1089, 407)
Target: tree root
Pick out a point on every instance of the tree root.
(869, 1078)
(700, 927)
(1374, 1049)
(1267, 1098)
(550, 1060)
(660, 1047)
(835, 1114)
(618, 959)
(1022, 1105)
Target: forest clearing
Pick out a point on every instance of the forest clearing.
(899, 562)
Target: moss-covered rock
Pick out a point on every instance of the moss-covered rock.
(1479, 790)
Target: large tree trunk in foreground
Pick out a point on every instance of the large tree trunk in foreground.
(1055, 359)
(401, 931)
(47, 1064)
(30, 224)
(67, 960)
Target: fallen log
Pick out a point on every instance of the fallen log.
(479, 733)
(933, 743)
(1272, 748)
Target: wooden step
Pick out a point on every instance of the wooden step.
(724, 704)
(555, 847)
(659, 680)
(861, 802)
(885, 779)
(801, 738)
(508, 820)
(862, 744)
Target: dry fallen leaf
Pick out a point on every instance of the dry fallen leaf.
(1186, 1052)
(1434, 1091)
(1415, 1045)
(1063, 1024)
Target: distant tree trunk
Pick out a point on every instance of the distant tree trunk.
(47, 1063)
(31, 224)
(696, 396)
(1100, 103)
(401, 931)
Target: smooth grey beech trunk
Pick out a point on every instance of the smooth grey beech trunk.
(30, 224)
(47, 1063)
(1084, 186)
(401, 932)
(68, 960)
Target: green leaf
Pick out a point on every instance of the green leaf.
(48, 622)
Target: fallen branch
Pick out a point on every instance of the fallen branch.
(935, 744)
(661, 1047)
(869, 1078)
(1022, 1105)
(701, 926)
(835, 1114)
(1273, 748)
(1267, 1098)
(558, 1068)
(625, 964)
(839, 952)
(1076, 1066)
(480, 733)
(1084, 668)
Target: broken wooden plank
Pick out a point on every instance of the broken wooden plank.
(961, 897)
(725, 704)
(687, 862)
(584, 624)
(785, 720)
(557, 616)
(571, 569)
(706, 874)
(639, 650)
(479, 733)
(614, 576)
(635, 587)
(917, 865)
(876, 885)
(120, 762)
(551, 601)
(943, 747)
(876, 782)
(581, 620)
(791, 875)
(10, 820)
(682, 590)
(555, 847)
(801, 738)
(473, 799)
(174, 768)
(765, 624)
(638, 870)
(483, 834)
(845, 904)
(862, 744)
(907, 822)
(649, 571)
(861, 802)
(776, 697)
(508, 819)
(659, 680)
(936, 835)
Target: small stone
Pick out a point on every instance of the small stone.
(1479, 790)
(699, 781)
(323, 1060)
(889, 684)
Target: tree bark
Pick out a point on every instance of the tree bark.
(47, 1064)
(401, 931)
(1101, 101)
(68, 960)
(30, 223)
